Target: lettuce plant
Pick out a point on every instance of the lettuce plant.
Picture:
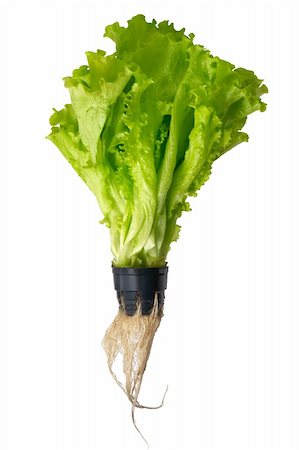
(143, 128)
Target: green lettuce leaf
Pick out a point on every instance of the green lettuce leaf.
(144, 127)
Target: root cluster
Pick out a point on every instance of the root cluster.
(131, 337)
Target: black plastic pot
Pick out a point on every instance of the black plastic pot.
(138, 285)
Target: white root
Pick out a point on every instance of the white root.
(132, 337)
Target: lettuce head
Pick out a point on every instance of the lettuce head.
(145, 125)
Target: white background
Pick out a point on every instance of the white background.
(228, 345)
